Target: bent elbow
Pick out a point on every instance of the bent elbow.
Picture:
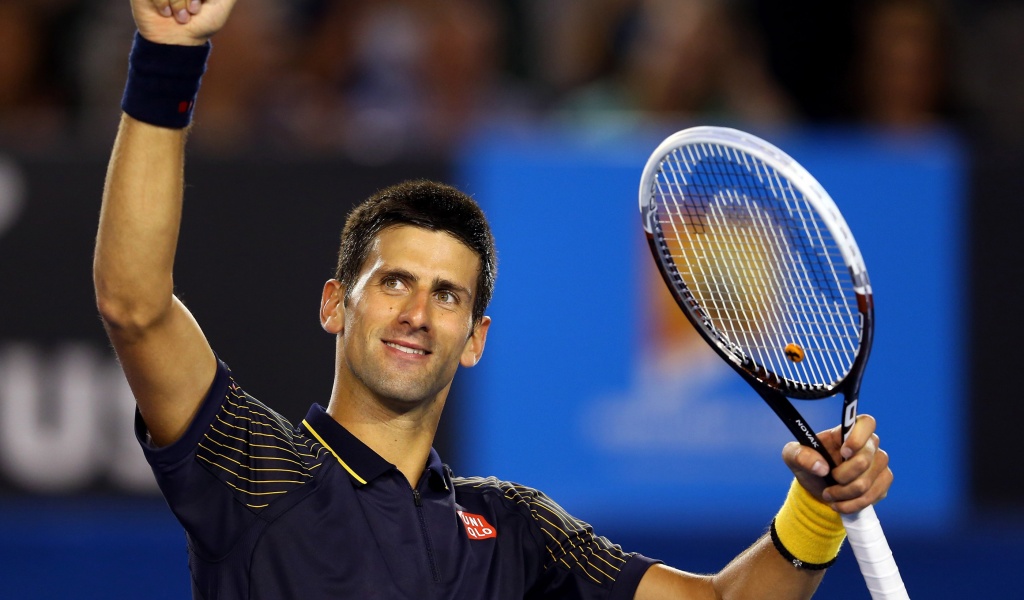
(128, 314)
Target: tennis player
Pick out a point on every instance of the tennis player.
(353, 502)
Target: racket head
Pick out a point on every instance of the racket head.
(760, 259)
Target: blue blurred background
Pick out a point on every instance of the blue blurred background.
(908, 112)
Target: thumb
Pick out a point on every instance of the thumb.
(808, 466)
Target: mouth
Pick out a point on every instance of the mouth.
(406, 349)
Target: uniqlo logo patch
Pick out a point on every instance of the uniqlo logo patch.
(477, 527)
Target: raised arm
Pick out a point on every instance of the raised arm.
(165, 356)
(808, 526)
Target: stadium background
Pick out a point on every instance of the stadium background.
(552, 149)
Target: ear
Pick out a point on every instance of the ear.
(474, 348)
(332, 307)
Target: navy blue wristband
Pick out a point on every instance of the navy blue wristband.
(163, 81)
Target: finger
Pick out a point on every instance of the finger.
(859, 463)
(179, 8)
(851, 484)
(878, 490)
(163, 7)
(862, 430)
(801, 458)
(807, 465)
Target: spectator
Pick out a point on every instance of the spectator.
(993, 72)
(242, 94)
(390, 77)
(33, 110)
(902, 64)
(571, 44)
(685, 58)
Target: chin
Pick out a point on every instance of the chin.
(405, 397)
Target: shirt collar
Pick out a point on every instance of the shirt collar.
(361, 462)
(436, 475)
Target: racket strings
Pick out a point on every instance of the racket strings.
(826, 326)
(759, 262)
(760, 305)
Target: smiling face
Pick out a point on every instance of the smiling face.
(408, 322)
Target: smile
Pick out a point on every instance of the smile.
(405, 349)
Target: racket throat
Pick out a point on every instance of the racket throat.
(797, 424)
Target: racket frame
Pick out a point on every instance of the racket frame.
(774, 389)
(864, 532)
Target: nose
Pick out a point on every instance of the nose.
(415, 311)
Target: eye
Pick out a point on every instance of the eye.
(447, 297)
(392, 283)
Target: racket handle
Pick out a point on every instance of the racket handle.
(874, 556)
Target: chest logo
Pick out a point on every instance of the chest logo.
(477, 527)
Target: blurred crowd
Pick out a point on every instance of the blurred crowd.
(379, 79)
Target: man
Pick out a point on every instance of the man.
(354, 503)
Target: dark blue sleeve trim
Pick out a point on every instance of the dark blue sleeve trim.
(629, 577)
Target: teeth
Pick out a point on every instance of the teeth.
(405, 349)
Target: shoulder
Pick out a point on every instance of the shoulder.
(493, 489)
(242, 411)
(244, 421)
(256, 451)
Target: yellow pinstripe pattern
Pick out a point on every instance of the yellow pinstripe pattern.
(255, 452)
(248, 456)
(571, 543)
(274, 422)
(258, 433)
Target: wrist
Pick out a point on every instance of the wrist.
(175, 35)
(807, 532)
(163, 82)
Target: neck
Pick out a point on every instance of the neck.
(403, 438)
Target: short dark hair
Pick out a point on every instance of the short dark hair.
(420, 203)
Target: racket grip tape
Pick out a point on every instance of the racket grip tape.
(877, 565)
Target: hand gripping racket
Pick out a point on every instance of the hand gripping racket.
(763, 264)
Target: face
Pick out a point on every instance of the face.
(408, 323)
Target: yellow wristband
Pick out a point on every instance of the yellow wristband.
(806, 531)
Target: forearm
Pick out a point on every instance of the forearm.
(139, 221)
(761, 572)
(804, 540)
(809, 535)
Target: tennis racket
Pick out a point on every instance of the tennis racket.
(762, 263)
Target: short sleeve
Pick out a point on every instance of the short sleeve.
(236, 459)
(578, 563)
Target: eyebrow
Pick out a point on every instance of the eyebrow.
(437, 284)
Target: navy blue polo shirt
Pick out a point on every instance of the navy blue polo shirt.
(273, 511)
